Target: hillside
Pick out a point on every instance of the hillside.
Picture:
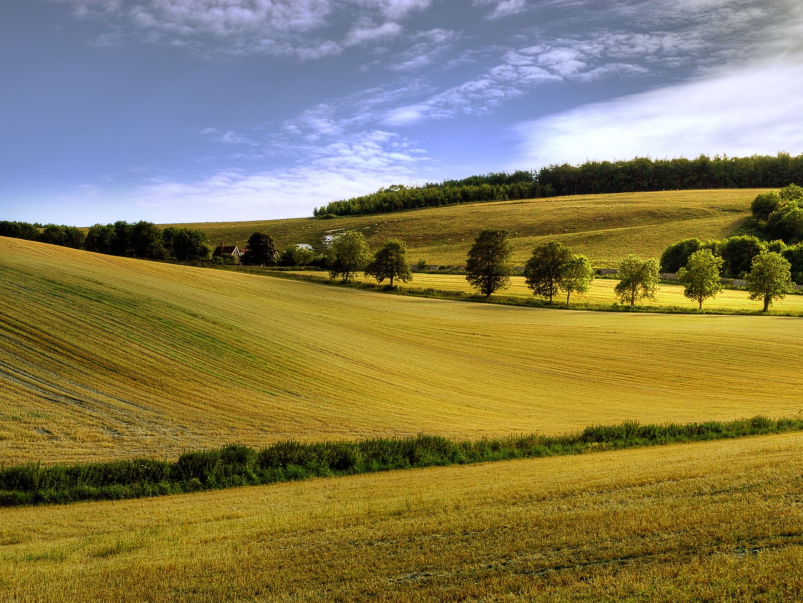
(104, 357)
(716, 521)
(603, 227)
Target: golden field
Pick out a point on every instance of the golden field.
(603, 227)
(717, 521)
(105, 357)
(601, 293)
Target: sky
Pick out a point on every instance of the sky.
(222, 110)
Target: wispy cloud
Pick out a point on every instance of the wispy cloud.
(503, 8)
(358, 164)
(746, 111)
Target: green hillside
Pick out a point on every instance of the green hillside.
(603, 227)
(102, 357)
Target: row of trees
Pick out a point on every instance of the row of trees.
(141, 239)
(593, 177)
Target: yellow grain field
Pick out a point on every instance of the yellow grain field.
(601, 293)
(718, 521)
(603, 227)
(104, 357)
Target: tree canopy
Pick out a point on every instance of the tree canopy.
(261, 250)
(577, 276)
(488, 266)
(351, 254)
(639, 279)
(545, 269)
(390, 262)
(770, 278)
(701, 276)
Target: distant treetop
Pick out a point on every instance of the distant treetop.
(592, 178)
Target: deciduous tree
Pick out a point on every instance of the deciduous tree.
(770, 278)
(390, 262)
(351, 254)
(701, 275)
(639, 279)
(261, 250)
(488, 263)
(545, 269)
(577, 277)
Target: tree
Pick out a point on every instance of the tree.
(770, 278)
(186, 245)
(676, 255)
(261, 250)
(390, 262)
(421, 264)
(488, 263)
(577, 277)
(738, 253)
(145, 240)
(545, 269)
(701, 276)
(120, 238)
(351, 254)
(100, 238)
(639, 279)
(764, 204)
(296, 255)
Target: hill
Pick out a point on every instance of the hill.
(603, 227)
(702, 522)
(105, 357)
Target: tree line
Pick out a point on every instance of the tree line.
(593, 177)
(141, 239)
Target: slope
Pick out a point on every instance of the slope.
(716, 521)
(603, 227)
(102, 357)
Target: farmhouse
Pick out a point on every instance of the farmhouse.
(223, 250)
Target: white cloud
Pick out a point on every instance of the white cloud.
(395, 9)
(357, 164)
(428, 47)
(503, 8)
(368, 32)
(742, 112)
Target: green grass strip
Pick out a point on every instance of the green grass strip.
(236, 465)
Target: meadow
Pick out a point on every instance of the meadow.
(601, 294)
(603, 227)
(104, 357)
(715, 521)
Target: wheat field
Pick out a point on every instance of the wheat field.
(104, 357)
(717, 521)
(603, 227)
(601, 293)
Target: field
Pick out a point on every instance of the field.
(601, 293)
(105, 357)
(717, 521)
(603, 227)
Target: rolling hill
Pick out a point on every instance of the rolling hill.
(716, 521)
(104, 357)
(603, 227)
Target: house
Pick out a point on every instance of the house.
(223, 251)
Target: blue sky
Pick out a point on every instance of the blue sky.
(207, 110)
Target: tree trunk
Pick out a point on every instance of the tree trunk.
(568, 293)
(766, 303)
(701, 305)
(633, 299)
(391, 281)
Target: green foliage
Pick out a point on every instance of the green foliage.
(99, 238)
(186, 245)
(19, 230)
(261, 251)
(236, 465)
(577, 276)
(546, 267)
(295, 255)
(770, 278)
(421, 264)
(638, 279)
(390, 263)
(488, 266)
(794, 255)
(701, 275)
(351, 253)
(65, 236)
(591, 178)
(738, 253)
(764, 204)
(676, 255)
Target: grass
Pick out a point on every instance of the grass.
(603, 227)
(713, 521)
(601, 295)
(236, 465)
(105, 358)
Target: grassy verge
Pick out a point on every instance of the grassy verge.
(236, 465)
